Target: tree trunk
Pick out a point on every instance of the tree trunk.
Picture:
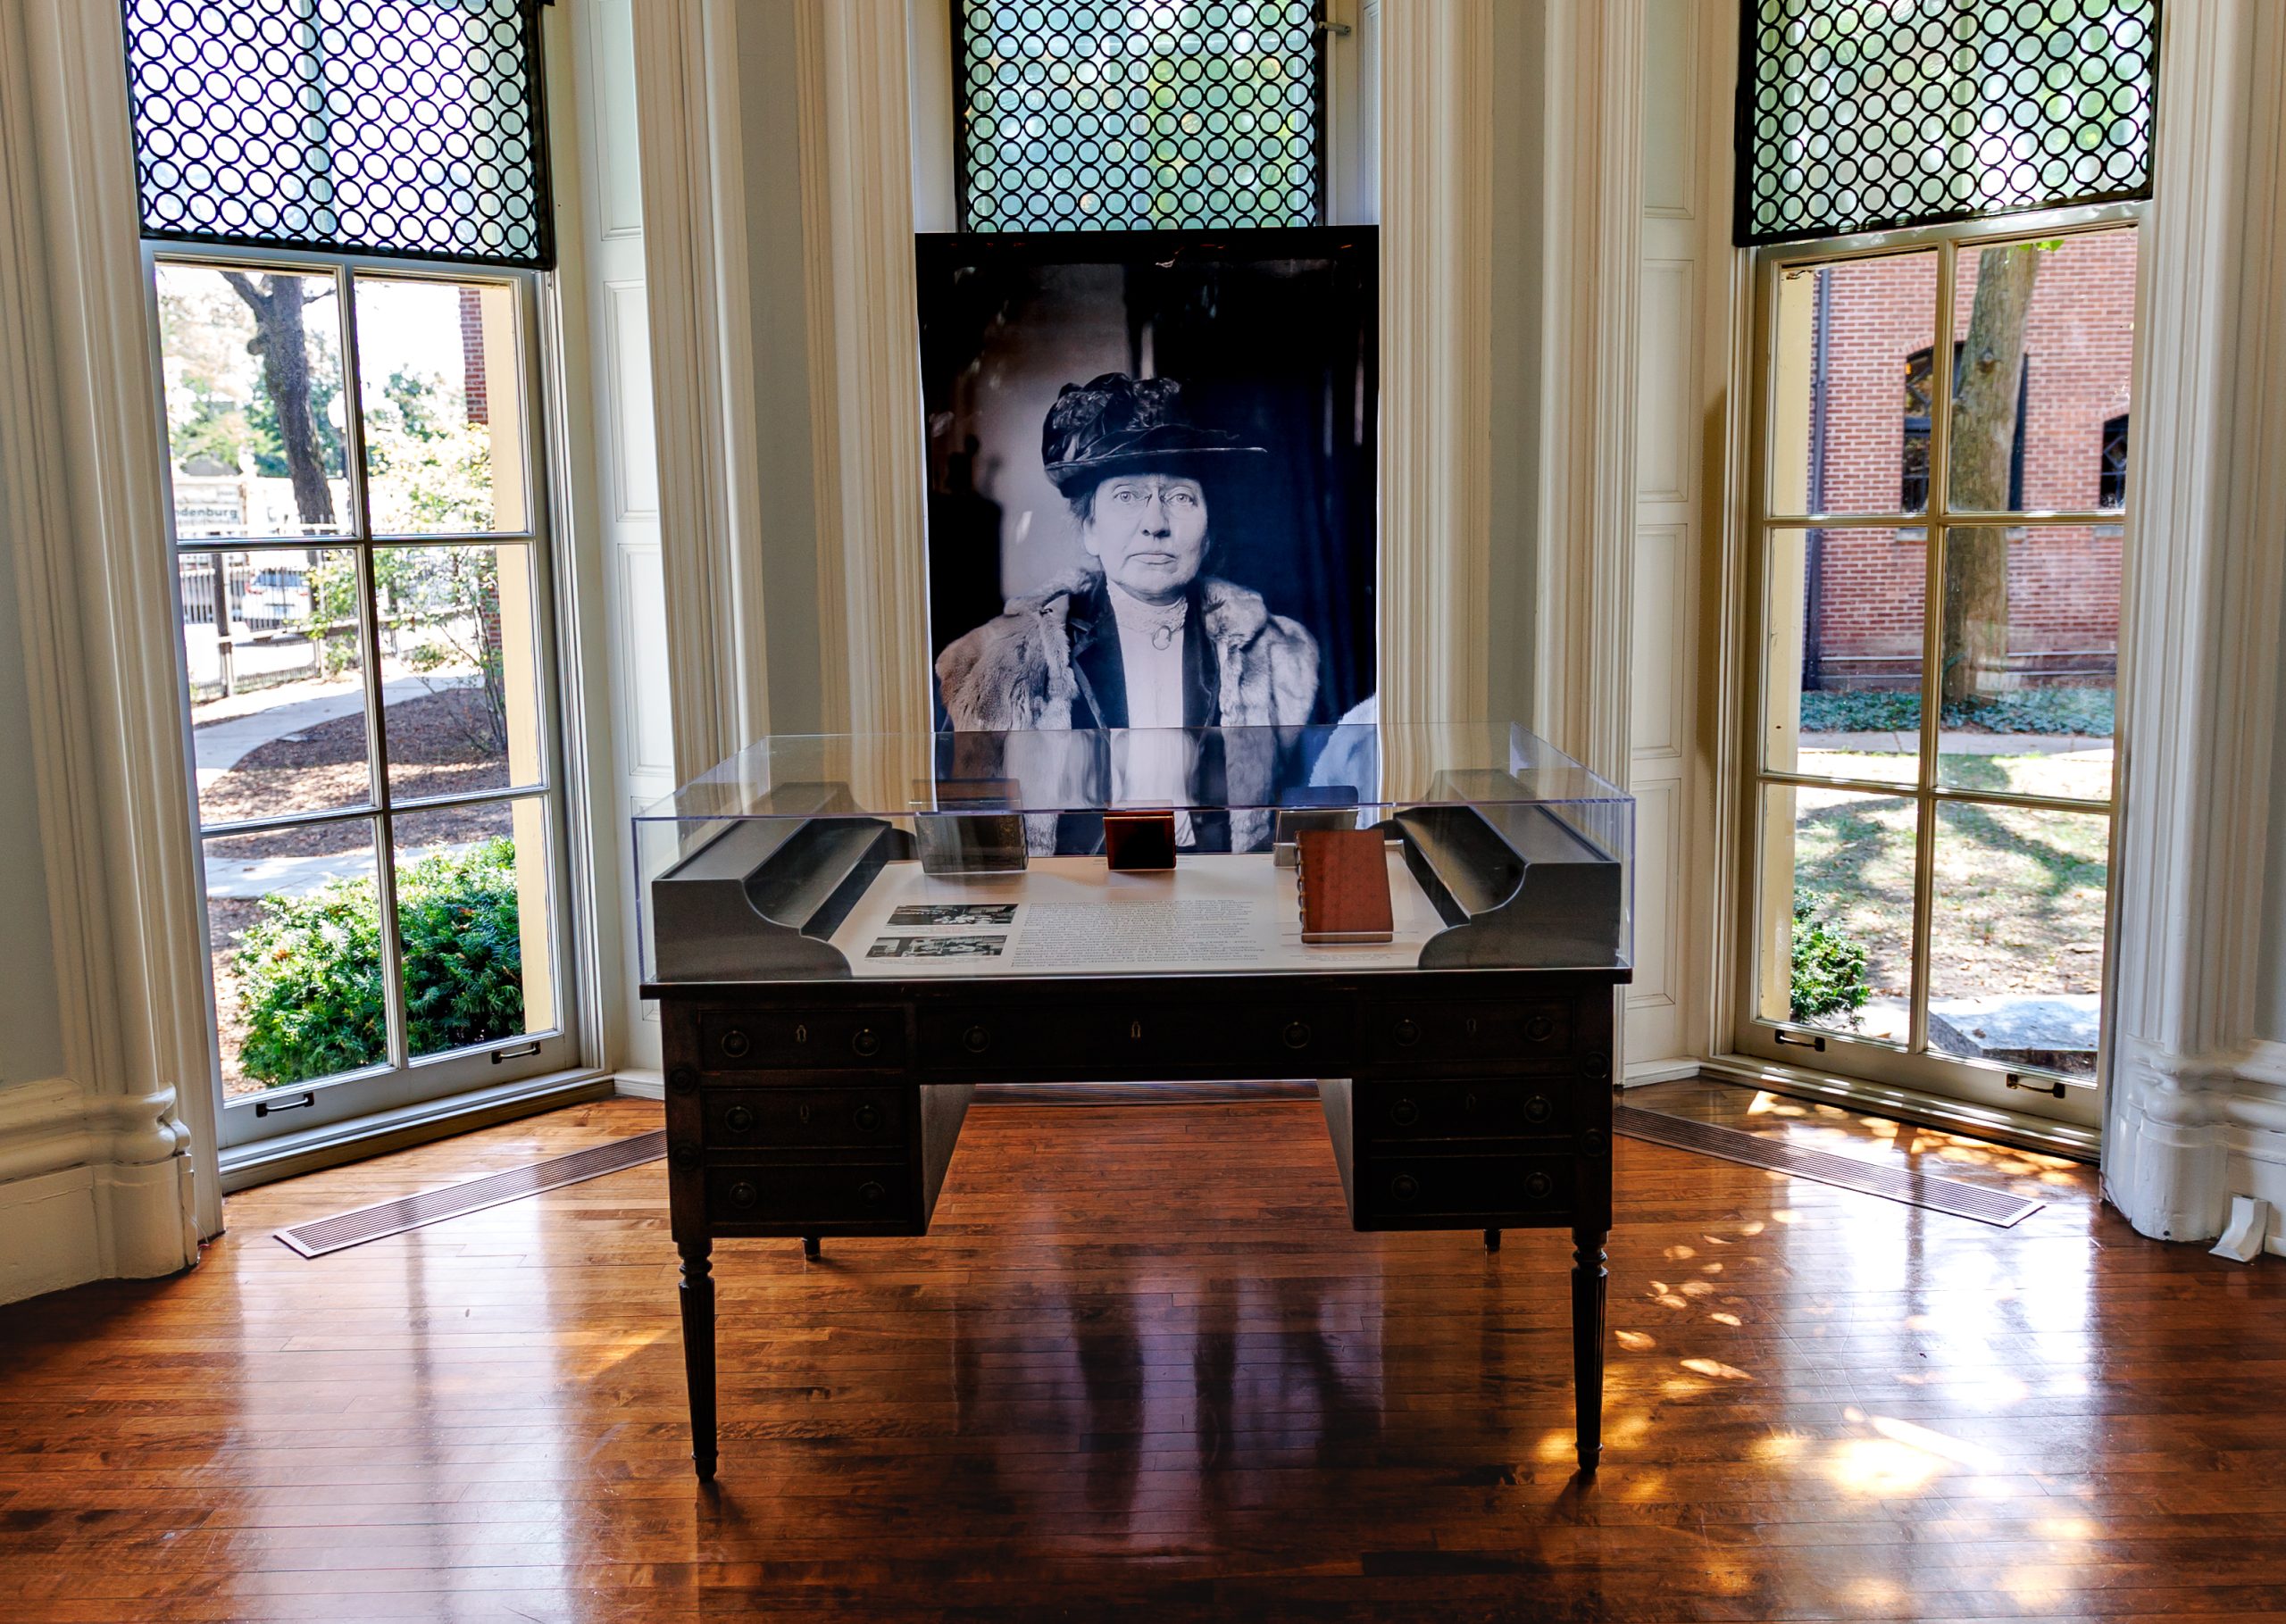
(1982, 447)
(279, 338)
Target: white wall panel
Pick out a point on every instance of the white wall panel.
(627, 368)
(1655, 703)
(647, 722)
(1670, 106)
(611, 126)
(1666, 401)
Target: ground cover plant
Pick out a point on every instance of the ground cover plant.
(309, 968)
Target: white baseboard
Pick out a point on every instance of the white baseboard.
(92, 1187)
(1640, 1072)
(639, 1084)
(1910, 1106)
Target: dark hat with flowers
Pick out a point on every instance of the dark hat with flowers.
(1117, 424)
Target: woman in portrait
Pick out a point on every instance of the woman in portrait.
(1141, 637)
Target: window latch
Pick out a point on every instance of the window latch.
(499, 1055)
(262, 1108)
(1788, 1040)
(2042, 1086)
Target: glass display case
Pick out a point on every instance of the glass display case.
(1132, 852)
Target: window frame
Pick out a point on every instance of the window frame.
(402, 1080)
(1987, 1085)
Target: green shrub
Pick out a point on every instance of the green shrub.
(2050, 711)
(310, 968)
(1829, 967)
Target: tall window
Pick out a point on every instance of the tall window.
(1936, 611)
(361, 539)
(1114, 115)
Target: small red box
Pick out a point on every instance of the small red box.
(1342, 877)
(1140, 842)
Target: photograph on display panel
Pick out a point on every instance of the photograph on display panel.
(1151, 503)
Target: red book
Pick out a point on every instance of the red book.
(1343, 880)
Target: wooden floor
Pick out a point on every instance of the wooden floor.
(1143, 1370)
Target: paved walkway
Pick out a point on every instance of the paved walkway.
(220, 745)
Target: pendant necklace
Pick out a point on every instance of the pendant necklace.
(1164, 633)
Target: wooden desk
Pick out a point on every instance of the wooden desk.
(1473, 1100)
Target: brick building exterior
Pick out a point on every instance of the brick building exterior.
(1863, 620)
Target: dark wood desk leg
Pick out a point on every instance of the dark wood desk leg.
(1589, 1280)
(698, 1292)
(810, 1248)
(1492, 1240)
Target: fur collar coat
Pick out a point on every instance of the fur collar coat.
(1015, 673)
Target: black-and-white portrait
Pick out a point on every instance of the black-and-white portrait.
(1152, 493)
(974, 916)
(937, 947)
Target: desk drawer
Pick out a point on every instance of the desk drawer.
(1439, 1032)
(804, 1118)
(1393, 1187)
(818, 1040)
(810, 1193)
(1093, 1040)
(1445, 1108)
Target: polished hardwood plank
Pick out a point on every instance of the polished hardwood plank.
(1143, 1370)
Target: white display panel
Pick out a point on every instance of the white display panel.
(1066, 916)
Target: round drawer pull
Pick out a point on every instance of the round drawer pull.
(744, 1194)
(866, 1042)
(685, 1156)
(1539, 1187)
(1540, 1028)
(1592, 1143)
(739, 1120)
(1597, 1064)
(682, 1079)
(1539, 1109)
(1297, 1035)
(1404, 1112)
(870, 1193)
(1406, 1031)
(1405, 1186)
(736, 1043)
(976, 1040)
(868, 1118)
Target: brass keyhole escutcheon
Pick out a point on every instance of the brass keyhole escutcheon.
(1135, 1032)
(1470, 1026)
(803, 1111)
(801, 1032)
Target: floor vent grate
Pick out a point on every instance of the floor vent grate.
(1867, 1178)
(345, 1230)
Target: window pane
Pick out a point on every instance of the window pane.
(2046, 335)
(2031, 656)
(2017, 942)
(1836, 911)
(277, 689)
(459, 631)
(439, 382)
(1849, 387)
(253, 368)
(1841, 667)
(1105, 115)
(472, 914)
(295, 930)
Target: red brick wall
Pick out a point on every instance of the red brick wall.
(479, 404)
(2063, 584)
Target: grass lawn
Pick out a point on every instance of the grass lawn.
(2019, 903)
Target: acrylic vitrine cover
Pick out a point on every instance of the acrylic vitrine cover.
(983, 854)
